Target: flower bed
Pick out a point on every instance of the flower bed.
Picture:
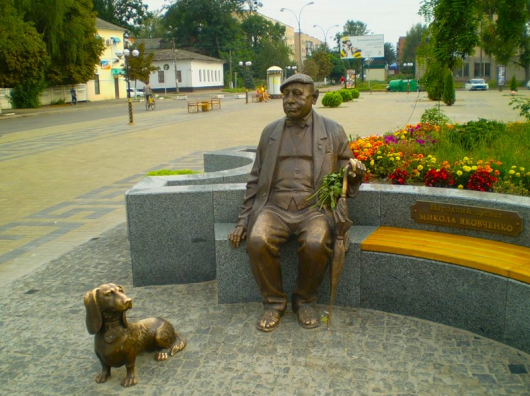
(431, 155)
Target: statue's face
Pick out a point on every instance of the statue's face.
(298, 99)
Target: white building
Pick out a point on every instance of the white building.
(194, 71)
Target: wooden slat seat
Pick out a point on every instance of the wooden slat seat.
(499, 258)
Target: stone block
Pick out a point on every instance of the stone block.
(171, 235)
(517, 332)
(444, 293)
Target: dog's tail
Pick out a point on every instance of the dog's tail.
(179, 344)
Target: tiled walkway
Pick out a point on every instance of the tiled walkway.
(62, 233)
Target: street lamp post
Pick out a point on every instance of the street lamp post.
(299, 30)
(409, 65)
(245, 65)
(126, 53)
(325, 33)
(289, 68)
(175, 64)
(368, 61)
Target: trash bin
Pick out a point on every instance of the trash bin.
(396, 86)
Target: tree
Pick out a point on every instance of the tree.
(270, 53)
(206, 25)
(23, 55)
(153, 27)
(412, 42)
(69, 30)
(448, 96)
(323, 62)
(310, 68)
(339, 69)
(141, 66)
(390, 54)
(129, 14)
(453, 29)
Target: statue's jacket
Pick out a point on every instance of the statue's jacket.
(331, 151)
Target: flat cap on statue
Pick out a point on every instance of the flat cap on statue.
(299, 78)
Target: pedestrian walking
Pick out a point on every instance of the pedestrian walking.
(73, 92)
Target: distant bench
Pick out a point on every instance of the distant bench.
(204, 105)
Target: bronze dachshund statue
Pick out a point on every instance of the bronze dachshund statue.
(117, 343)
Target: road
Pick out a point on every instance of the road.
(65, 171)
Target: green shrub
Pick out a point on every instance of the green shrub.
(513, 84)
(476, 134)
(523, 105)
(168, 172)
(26, 96)
(332, 99)
(346, 95)
(448, 96)
(435, 116)
(355, 93)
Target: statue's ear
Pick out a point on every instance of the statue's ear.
(315, 96)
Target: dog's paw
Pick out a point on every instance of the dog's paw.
(128, 381)
(102, 377)
(161, 356)
(178, 346)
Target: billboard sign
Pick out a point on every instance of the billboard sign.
(357, 47)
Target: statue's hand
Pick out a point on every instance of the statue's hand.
(237, 235)
(357, 170)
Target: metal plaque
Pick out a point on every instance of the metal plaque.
(470, 217)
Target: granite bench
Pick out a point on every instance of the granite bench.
(170, 246)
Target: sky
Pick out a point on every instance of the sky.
(392, 18)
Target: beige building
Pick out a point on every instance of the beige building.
(108, 81)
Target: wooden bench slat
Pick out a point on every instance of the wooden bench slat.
(467, 245)
(499, 258)
(432, 237)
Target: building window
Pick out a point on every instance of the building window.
(466, 69)
(179, 76)
(208, 75)
(487, 70)
(96, 84)
(161, 76)
(200, 75)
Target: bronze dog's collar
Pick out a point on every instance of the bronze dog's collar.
(111, 334)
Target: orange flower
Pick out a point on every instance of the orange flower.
(496, 173)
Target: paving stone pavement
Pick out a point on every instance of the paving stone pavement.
(55, 181)
(45, 348)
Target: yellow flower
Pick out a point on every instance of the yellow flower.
(460, 187)
(474, 167)
(379, 152)
(459, 173)
(466, 168)
(391, 158)
(368, 145)
(433, 160)
(372, 163)
(518, 174)
(420, 167)
(398, 157)
(379, 157)
(466, 159)
(511, 172)
(513, 166)
(402, 137)
(521, 169)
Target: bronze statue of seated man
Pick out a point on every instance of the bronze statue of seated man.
(293, 156)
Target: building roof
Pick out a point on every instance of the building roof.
(167, 54)
(150, 44)
(101, 24)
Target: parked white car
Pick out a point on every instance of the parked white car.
(136, 93)
(476, 83)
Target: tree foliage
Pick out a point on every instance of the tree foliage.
(23, 55)
(206, 25)
(453, 29)
(412, 42)
(448, 95)
(323, 60)
(310, 68)
(68, 29)
(129, 14)
(141, 66)
(270, 53)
